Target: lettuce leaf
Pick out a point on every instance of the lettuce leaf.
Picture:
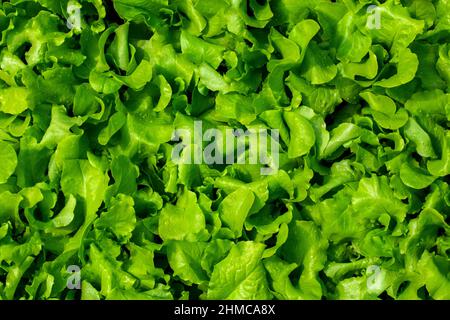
(94, 95)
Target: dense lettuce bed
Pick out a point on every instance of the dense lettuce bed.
(359, 207)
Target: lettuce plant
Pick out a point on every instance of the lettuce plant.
(93, 206)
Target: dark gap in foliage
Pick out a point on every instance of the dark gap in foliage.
(423, 293)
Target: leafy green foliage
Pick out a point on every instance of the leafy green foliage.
(360, 205)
